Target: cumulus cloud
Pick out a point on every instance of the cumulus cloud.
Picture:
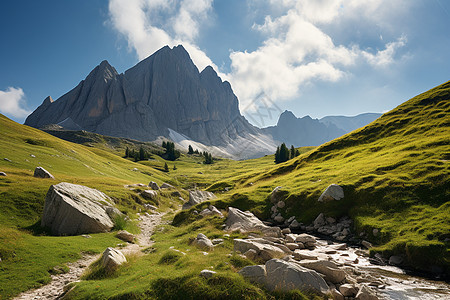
(298, 49)
(146, 31)
(12, 103)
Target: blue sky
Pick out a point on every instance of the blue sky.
(317, 58)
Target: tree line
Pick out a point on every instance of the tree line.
(283, 153)
(208, 158)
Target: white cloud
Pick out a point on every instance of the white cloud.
(139, 21)
(12, 103)
(297, 50)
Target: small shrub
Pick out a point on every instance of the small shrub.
(120, 222)
(169, 258)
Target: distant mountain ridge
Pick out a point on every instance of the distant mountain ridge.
(306, 131)
(163, 93)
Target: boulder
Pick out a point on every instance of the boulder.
(395, 260)
(112, 258)
(196, 197)
(286, 231)
(331, 271)
(281, 204)
(40, 172)
(153, 185)
(255, 274)
(332, 192)
(285, 276)
(305, 238)
(251, 254)
(211, 211)
(366, 244)
(348, 290)
(247, 222)
(365, 293)
(263, 251)
(202, 242)
(2, 174)
(167, 186)
(149, 194)
(294, 225)
(279, 219)
(72, 209)
(319, 221)
(336, 294)
(125, 236)
(277, 195)
(207, 273)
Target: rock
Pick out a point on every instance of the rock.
(32, 155)
(375, 232)
(336, 294)
(279, 219)
(332, 192)
(330, 220)
(135, 170)
(281, 204)
(40, 172)
(339, 246)
(305, 254)
(292, 246)
(285, 231)
(125, 236)
(247, 222)
(290, 238)
(286, 276)
(255, 274)
(294, 225)
(348, 290)
(153, 185)
(276, 195)
(217, 241)
(365, 293)
(202, 242)
(305, 238)
(196, 197)
(166, 186)
(395, 260)
(211, 211)
(150, 207)
(328, 268)
(7, 159)
(251, 254)
(2, 174)
(263, 251)
(207, 273)
(112, 258)
(149, 194)
(319, 221)
(72, 209)
(366, 244)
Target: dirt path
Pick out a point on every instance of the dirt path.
(55, 289)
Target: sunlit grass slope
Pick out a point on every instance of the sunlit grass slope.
(27, 257)
(395, 174)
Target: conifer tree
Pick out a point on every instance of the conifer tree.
(292, 154)
(141, 153)
(297, 153)
(174, 167)
(190, 150)
(127, 152)
(166, 167)
(277, 155)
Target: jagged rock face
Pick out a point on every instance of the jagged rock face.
(163, 91)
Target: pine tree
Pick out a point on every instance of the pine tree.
(292, 154)
(277, 155)
(164, 144)
(166, 167)
(190, 150)
(297, 153)
(174, 167)
(127, 152)
(141, 153)
(282, 154)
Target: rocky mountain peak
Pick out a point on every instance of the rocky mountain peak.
(47, 101)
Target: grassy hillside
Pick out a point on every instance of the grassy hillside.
(395, 174)
(27, 254)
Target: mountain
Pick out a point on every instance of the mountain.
(163, 95)
(348, 124)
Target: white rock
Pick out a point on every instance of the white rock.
(348, 290)
(42, 173)
(196, 197)
(2, 174)
(72, 209)
(319, 221)
(332, 192)
(365, 293)
(279, 219)
(149, 194)
(202, 242)
(247, 222)
(207, 273)
(153, 185)
(254, 273)
(305, 238)
(166, 186)
(331, 271)
(211, 211)
(264, 251)
(366, 244)
(276, 195)
(125, 236)
(112, 258)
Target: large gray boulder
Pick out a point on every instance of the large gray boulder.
(197, 196)
(40, 172)
(247, 222)
(153, 185)
(332, 272)
(332, 192)
(263, 251)
(72, 209)
(285, 276)
(112, 258)
(202, 242)
(254, 273)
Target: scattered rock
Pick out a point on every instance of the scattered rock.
(217, 241)
(125, 236)
(72, 209)
(2, 174)
(166, 186)
(276, 195)
(365, 293)
(305, 238)
(196, 197)
(251, 254)
(375, 232)
(286, 276)
(207, 273)
(33, 156)
(395, 260)
(319, 221)
(279, 219)
(149, 194)
(211, 211)
(255, 274)
(153, 185)
(247, 222)
(336, 294)
(366, 244)
(331, 271)
(294, 225)
(150, 207)
(202, 242)
(281, 204)
(286, 231)
(42, 173)
(135, 169)
(263, 251)
(7, 159)
(332, 192)
(348, 290)
(112, 258)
